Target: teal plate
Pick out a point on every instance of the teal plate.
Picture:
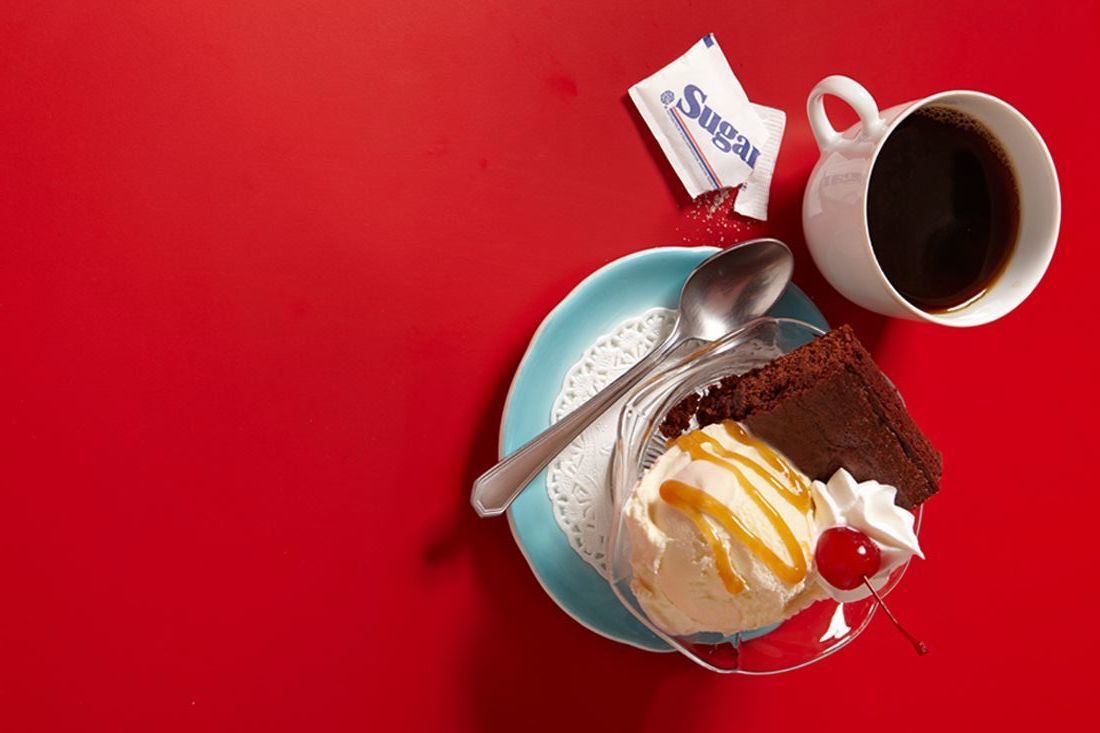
(622, 289)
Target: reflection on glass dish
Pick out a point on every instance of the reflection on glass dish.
(712, 545)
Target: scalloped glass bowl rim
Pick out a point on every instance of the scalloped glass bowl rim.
(645, 407)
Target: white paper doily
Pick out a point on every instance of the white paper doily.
(578, 479)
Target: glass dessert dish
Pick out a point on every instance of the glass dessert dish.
(812, 634)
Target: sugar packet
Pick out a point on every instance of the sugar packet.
(702, 119)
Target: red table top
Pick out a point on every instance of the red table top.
(266, 271)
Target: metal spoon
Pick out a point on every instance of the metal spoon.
(726, 290)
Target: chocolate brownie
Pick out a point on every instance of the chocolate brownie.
(826, 405)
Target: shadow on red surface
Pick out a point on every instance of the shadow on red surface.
(526, 660)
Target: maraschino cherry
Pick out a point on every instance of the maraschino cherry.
(847, 558)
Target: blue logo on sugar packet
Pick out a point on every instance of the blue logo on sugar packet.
(723, 135)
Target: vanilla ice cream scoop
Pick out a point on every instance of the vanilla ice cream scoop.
(721, 532)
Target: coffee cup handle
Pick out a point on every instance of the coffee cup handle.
(855, 96)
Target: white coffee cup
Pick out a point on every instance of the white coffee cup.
(834, 209)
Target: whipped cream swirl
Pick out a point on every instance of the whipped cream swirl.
(869, 507)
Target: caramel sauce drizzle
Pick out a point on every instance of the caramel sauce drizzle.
(684, 498)
(696, 504)
(799, 495)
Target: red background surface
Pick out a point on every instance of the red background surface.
(266, 270)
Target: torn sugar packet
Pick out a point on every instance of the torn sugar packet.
(711, 133)
(702, 119)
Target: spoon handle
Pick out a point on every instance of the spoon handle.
(496, 488)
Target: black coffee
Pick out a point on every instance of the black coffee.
(943, 209)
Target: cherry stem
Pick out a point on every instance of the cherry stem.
(918, 645)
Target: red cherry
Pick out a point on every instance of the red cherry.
(845, 556)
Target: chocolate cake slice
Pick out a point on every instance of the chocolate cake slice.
(826, 405)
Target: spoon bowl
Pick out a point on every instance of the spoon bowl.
(732, 287)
